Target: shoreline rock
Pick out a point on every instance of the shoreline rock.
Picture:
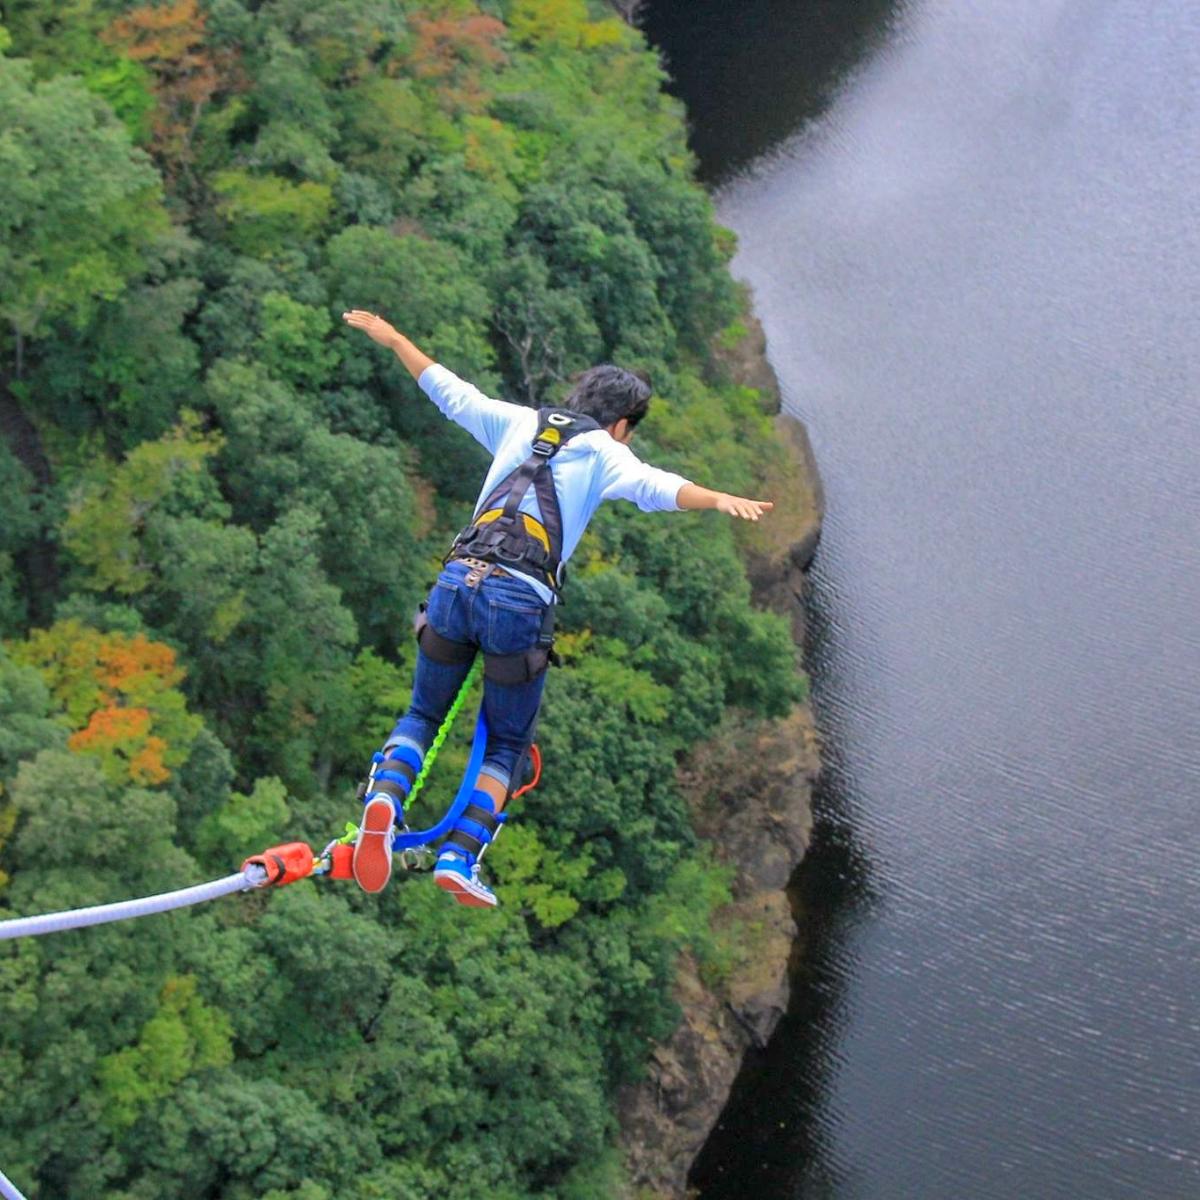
(753, 787)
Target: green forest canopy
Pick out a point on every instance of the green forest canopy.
(220, 508)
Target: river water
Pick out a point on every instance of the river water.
(973, 233)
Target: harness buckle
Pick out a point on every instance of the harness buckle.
(416, 858)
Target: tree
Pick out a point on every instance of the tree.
(386, 127)
(427, 289)
(456, 52)
(304, 639)
(283, 456)
(294, 345)
(295, 123)
(584, 232)
(67, 1012)
(517, 198)
(344, 38)
(553, 23)
(169, 40)
(244, 823)
(27, 716)
(127, 375)
(424, 287)
(548, 331)
(78, 208)
(266, 214)
(79, 205)
(18, 530)
(185, 1035)
(118, 694)
(454, 204)
(106, 529)
(27, 725)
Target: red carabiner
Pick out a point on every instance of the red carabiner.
(535, 757)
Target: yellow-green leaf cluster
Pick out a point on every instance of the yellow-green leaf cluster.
(104, 526)
(184, 1036)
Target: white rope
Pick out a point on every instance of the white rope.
(76, 918)
(7, 1188)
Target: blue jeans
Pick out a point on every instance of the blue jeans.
(501, 615)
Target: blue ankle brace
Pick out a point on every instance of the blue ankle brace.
(475, 829)
(394, 772)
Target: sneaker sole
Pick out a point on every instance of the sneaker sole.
(372, 862)
(461, 890)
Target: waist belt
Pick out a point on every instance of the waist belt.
(479, 570)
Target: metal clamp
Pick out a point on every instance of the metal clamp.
(416, 858)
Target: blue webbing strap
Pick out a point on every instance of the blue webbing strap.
(410, 839)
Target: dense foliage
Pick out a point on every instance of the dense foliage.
(219, 509)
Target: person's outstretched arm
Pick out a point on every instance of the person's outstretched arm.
(655, 490)
(485, 419)
(693, 496)
(378, 330)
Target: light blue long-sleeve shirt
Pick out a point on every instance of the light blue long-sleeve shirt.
(590, 468)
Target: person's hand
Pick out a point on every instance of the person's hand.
(748, 510)
(375, 327)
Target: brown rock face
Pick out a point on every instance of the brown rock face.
(751, 786)
(756, 784)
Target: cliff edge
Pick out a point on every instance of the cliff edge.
(751, 785)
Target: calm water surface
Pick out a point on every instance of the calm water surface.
(973, 232)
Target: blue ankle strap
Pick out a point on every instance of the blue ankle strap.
(395, 769)
(475, 828)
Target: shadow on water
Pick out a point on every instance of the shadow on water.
(773, 1135)
(747, 88)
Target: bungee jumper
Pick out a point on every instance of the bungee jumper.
(495, 596)
(491, 610)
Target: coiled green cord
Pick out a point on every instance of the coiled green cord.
(351, 829)
(444, 731)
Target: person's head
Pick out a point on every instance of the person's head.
(615, 398)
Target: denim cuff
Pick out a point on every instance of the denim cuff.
(404, 741)
(501, 776)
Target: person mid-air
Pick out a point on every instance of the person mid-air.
(551, 468)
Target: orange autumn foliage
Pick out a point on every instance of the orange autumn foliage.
(124, 734)
(168, 39)
(453, 52)
(119, 664)
(119, 692)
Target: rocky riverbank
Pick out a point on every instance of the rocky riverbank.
(751, 786)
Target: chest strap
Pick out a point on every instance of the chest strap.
(499, 532)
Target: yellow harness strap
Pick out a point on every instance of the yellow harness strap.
(533, 526)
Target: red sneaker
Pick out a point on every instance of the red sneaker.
(372, 862)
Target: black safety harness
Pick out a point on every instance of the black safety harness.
(500, 533)
(500, 536)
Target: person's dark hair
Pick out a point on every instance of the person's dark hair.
(607, 393)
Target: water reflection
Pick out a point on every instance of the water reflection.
(752, 72)
(748, 89)
(977, 271)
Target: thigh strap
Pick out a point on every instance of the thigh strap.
(440, 649)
